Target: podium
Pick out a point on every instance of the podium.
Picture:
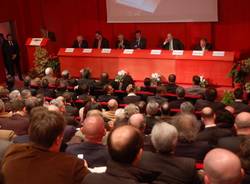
(33, 43)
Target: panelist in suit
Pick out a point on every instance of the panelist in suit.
(203, 45)
(100, 42)
(139, 42)
(121, 42)
(172, 43)
(11, 53)
(80, 42)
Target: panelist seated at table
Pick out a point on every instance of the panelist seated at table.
(122, 43)
(80, 42)
(100, 42)
(139, 42)
(172, 43)
(203, 45)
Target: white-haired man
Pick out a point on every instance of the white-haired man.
(173, 169)
(49, 75)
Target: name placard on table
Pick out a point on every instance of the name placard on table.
(219, 53)
(198, 53)
(87, 50)
(155, 52)
(69, 50)
(36, 41)
(128, 51)
(106, 51)
(177, 52)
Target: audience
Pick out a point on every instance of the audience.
(152, 111)
(49, 75)
(171, 85)
(125, 145)
(180, 93)
(196, 89)
(173, 169)
(187, 107)
(40, 161)
(239, 104)
(131, 96)
(92, 149)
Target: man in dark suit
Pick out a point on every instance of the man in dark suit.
(211, 133)
(2, 42)
(152, 110)
(209, 101)
(180, 92)
(196, 89)
(80, 42)
(22, 161)
(45, 91)
(12, 56)
(147, 86)
(172, 43)
(125, 145)
(121, 42)
(203, 45)
(139, 42)
(109, 90)
(239, 105)
(94, 152)
(242, 125)
(171, 85)
(131, 97)
(173, 169)
(100, 42)
(160, 90)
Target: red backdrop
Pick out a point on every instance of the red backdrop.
(69, 18)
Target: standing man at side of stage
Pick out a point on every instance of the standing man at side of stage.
(12, 56)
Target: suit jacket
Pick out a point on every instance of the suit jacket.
(96, 155)
(212, 134)
(117, 173)
(47, 92)
(196, 150)
(207, 47)
(240, 107)
(54, 167)
(84, 44)
(216, 106)
(148, 89)
(104, 43)
(177, 45)
(126, 44)
(150, 122)
(174, 170)
(19, 124)
(176, 103)
(106, 98)
(231, 143)
(131, 99)
(157, 98)
(141, 45)
(171, 88)
(195, 90)
(9, 50)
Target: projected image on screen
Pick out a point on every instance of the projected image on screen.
(125, 11)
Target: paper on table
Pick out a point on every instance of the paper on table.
(128, 51)
(98, 169)
(155, 52)
(106, 51)
(219, 53)
(36, 41)
(198, 53)
(177, 52)
(69, 50)
(87, 50)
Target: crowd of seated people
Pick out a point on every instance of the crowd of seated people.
(81, 130)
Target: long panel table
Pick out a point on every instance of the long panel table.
(142, 63)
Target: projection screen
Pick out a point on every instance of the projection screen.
(136, 11)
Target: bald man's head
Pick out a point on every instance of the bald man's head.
(222, 167)
(112, 104)
(138, 121)
(125, 144)
(242, 120)
(93, 129)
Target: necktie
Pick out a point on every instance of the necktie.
(11, 43)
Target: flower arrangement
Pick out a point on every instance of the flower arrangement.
(247, 86)
(240, 71)
(120, 75)
(203, 82)
(228, 98)
(155, 77)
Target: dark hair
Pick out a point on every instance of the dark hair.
(86, 74)
(147, 82)
(10, 82)
(171, 78)
(45, 83)
(180, 92)
(72, 82)
(9, 35)
(138, 31)
(238, 93)
(98, 32)
(45, 127)
(196, 80)
(211, 94)
(31, 103)
(17, 105)
(127, 153)
(26, 82)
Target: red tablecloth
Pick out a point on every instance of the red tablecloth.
(142, 63)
